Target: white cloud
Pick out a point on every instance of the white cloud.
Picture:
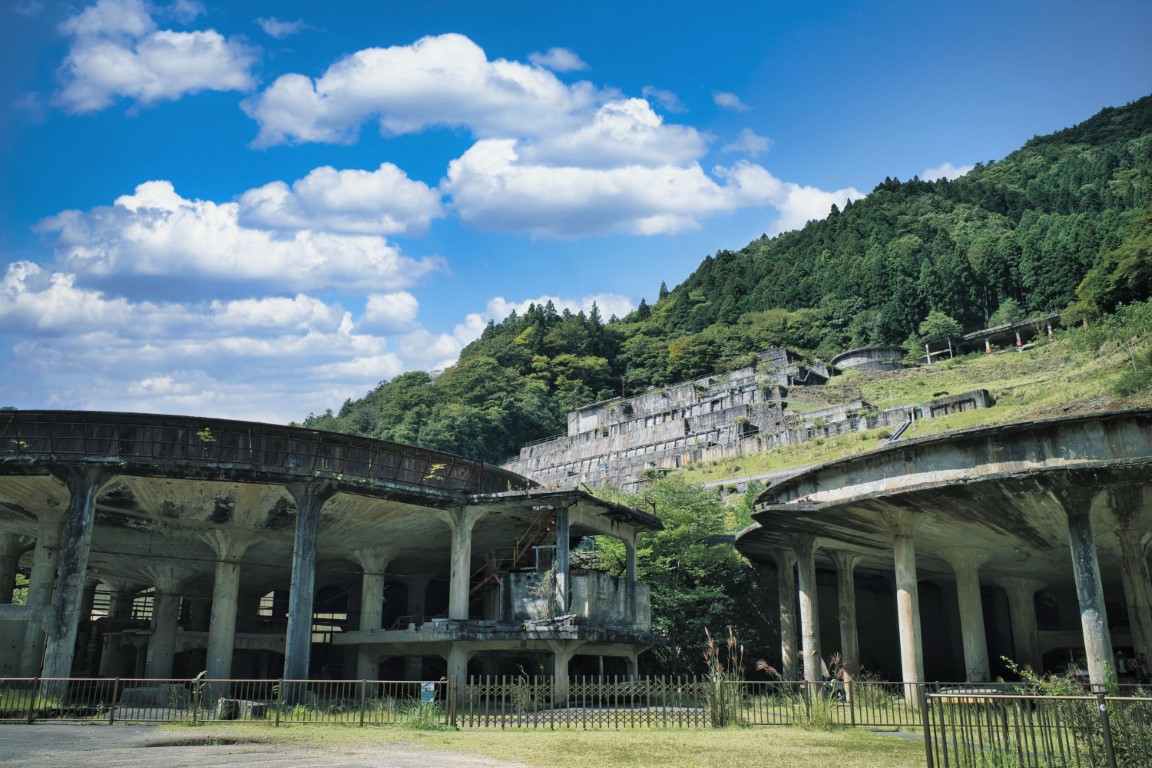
(117, 51)
(625, 132)
(796, 204)
(550, 159)
(156, 232)
(945, 171)
(494, 188)
(436, 81)
(389, 312)
(729, 101)
(498, 308)
(269, 358)
(380, 202)
(749, 143)
(558, 60)
(187, 10)
(668, 100)
(223, 358)
(279, 29)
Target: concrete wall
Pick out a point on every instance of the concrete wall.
(596, 599)
(717, 418)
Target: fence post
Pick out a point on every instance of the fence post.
(112, 703)
(363, 698)
(451, 697)
(1106, 727)
(926, 717)
(32, 701)
(279, 699)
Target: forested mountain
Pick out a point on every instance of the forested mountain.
(1062, 224)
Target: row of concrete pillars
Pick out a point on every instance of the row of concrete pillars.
(796, 568)
(60, 584)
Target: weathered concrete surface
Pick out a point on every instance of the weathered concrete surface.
(249, 512)
(141, 746)
(1012, 491)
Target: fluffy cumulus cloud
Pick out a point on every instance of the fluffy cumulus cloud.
(549, 159)
(380, 202)
(945, 171)
(218, 357)
(156, 232)
(273, 358)
(118, 52)
(437, 81)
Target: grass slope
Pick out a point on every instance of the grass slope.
(1057, 378)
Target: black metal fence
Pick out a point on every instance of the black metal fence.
(348, 702)
(963, 726)
(482, 702)
(973, 730)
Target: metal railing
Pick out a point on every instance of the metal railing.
(159, 440)
(974, 730)
(103, 700)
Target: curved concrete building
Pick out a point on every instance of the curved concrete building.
(164, 546)
(879, 358)
(932, 558)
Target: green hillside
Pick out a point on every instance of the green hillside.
(1062, 224)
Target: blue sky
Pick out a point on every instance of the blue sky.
(259, 209)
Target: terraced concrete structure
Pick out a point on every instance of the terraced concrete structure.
(1032, 541)
(250, 550)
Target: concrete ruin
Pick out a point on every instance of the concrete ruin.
(1029, 541)
(750, 410)
(161, 547)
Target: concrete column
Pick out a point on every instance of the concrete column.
(562, 654)
(41, 581)
(63, 620)
(966, 562)
(460, 521)
(310, 499)
(563, 540)
(417, 594)
(374, 562)
(805, 547)
(457, 659)
(846, 607)
(786, 584)
(902, 526)
(630, 559)
(12, 545)
(1021, 594)
(631, 666)
(1077, 503)
(121, 596)
(1127, 502)
(229, 546)
(166, 580)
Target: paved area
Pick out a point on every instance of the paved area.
(48, 745)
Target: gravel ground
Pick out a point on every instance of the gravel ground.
(48, 745)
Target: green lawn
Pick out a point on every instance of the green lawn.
(731, 748)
